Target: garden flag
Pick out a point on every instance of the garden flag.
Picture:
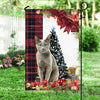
(51, 53)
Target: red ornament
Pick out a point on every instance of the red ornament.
(53, 85)
(55, 17)
(71, 84)
(48, 16)
(77, 86)
(76, 81)
(64, 83)
(37, 83)
(50, 83)
(47, 88)
(44, 83)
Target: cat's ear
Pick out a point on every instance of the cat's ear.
(48, 38)
(37, 40)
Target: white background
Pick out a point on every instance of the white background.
(69, 44)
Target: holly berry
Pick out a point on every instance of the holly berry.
(64, 88)
(47, 88)
(64, 83)
(48, 16)
(53, 85)
(47, 11)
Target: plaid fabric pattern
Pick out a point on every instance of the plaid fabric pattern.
(33, 24)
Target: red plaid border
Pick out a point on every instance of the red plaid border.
(34, 25)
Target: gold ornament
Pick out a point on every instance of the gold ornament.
(38, 12)
(74, 11)
(74, 88)
(28, 85)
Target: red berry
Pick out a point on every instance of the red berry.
(58, 81)
(48, 16)
(50, 83)
(64, 88)
(45, 82)
(53, 85)
(76, 81)
(61, 81)
(45, 85)
(52, 15)
(37, 83)
(55, 17)
(64, 83)
(47, 88)
(47, 11)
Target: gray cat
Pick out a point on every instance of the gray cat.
(47, 66)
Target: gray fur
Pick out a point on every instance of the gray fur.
(47, 66)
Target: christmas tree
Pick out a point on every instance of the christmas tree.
(57, 53)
